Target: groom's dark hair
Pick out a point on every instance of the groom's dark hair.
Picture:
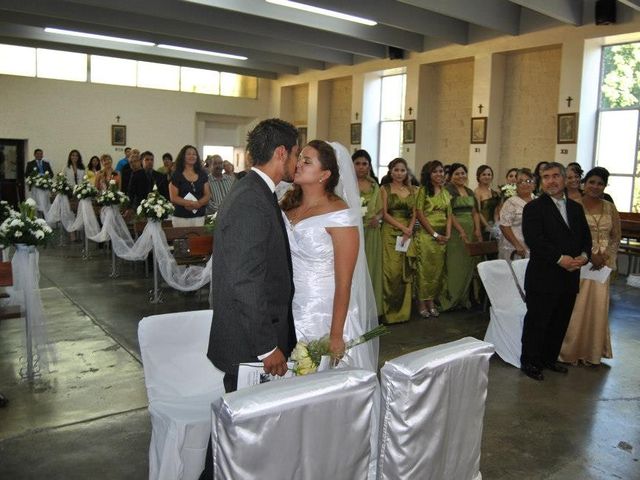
(269, 135)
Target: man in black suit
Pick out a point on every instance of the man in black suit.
(556, 231)
(143, 181)
(38, 163)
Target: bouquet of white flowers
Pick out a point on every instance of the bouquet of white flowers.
(24, 227)
(307, 355)
(112, 196)
(84, 190)
(5, 210)
(59, 184)
(35, 180)
(155, 207)
(508, 190)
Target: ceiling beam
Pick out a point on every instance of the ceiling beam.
(566, 11)
(635, 4)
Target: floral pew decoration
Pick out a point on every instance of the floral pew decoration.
(112, 196)
(155, 207)
(23, 228)
(60, 185)
(85, 190)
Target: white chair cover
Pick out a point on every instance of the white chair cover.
(310, 427)
(519, 269)
(507, 310)
(181, 385)
(432, 412)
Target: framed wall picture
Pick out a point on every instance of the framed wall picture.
(118, 134)
(409, 131)
(302, 136)
(479, 130)
(567, 128)
(356, 133)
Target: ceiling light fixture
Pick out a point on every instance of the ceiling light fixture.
(202, 52)
(324, 11)
(98, 37)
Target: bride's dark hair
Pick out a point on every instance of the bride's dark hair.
(328, 161)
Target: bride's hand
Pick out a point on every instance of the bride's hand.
(336, 348)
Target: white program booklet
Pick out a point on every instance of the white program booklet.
(600, 276)
(400, 247)
(191, 197)
(250, 374)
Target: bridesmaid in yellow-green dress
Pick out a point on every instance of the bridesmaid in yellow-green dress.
(399, 215)
(372, 219)
(433, 210)
(459, 264)
(487, 198)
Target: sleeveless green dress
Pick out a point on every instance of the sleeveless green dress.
(373, 241)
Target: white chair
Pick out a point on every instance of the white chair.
(181, 385)
(507, 310)
(519, 269)
(313, 427)
(432, 412)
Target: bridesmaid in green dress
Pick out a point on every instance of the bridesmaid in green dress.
(487, 198)
(399, 215)
(371, 220)
(459, 264)
(433, 210)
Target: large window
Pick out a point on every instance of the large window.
(391, 115)
(618, 124)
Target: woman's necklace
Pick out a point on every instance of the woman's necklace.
(596, 221)
(301, 212)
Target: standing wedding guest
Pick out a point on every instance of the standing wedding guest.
(124, 160)
(466, 228)
(433, 210)
(512, 240)
(189, 179)
(574, 177)
(106, 173)
(38, 163)
(74, 171)
(127, 170)
(371, 220)
(488, 200)
(511, 176)
(228, 168)
(219, 183)
(167, 164)
(558, 235)
(587, 339)
(399, 215)
(536, 175)
(143, 181)
(93, 167)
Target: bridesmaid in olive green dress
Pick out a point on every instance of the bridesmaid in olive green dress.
(399, 215)
(433, 210)
(459, 264)
(372, 219)
(487, 198)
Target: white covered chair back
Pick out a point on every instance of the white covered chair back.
(432, 412)
(519, 270)
(181, 385)
(311, 427)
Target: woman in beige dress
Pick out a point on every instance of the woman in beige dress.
(587, 339)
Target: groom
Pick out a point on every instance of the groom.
(251, 273)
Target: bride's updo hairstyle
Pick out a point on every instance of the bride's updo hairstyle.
(328, 161)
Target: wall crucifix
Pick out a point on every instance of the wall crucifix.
(480, 107)
(569, 100)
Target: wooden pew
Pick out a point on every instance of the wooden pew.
(629, 245)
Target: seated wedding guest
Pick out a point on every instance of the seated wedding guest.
(189, 189)
(127, 170)
(74, 171)
(433, 210)
(587, 339)
(106, 173)
(124, 160)
(574, 177)
(371, 220)
(399, 215)
(219, 183)
(93, 167)
(512, 240)
(488, 200)
(537, 189)
(38, 163)
(143, 181)
(466, 228)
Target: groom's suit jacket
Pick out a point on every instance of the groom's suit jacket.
(252, 278)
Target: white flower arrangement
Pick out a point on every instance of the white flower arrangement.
(59, 184)
(84, 190)
(112, 196)
(24, 227)
(508, 190)
(5, 210)
(35, 180)
(155, 207)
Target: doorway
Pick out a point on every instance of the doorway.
(12, 163)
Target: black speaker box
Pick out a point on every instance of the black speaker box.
(395, 53)
(605, 12)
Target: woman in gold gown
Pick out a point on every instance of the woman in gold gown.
(399, 215)
(371, 220)
(433, 210)
(587, 339)
(466, 228)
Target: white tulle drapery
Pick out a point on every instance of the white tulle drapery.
(41, 197)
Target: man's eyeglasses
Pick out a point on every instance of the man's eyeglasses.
(525, 182)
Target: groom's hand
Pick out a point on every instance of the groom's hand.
(275, 364)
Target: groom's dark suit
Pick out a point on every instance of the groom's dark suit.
(550, 289)
(252, 278)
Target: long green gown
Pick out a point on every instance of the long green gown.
(459, 264)
(397, 275)
(373, 241)
(488, 209)
(430, 255)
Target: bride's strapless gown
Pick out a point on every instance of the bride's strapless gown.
(313, 276)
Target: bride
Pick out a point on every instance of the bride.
(333, 293)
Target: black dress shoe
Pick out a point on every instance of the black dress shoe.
(532, 371)
(556, 367)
